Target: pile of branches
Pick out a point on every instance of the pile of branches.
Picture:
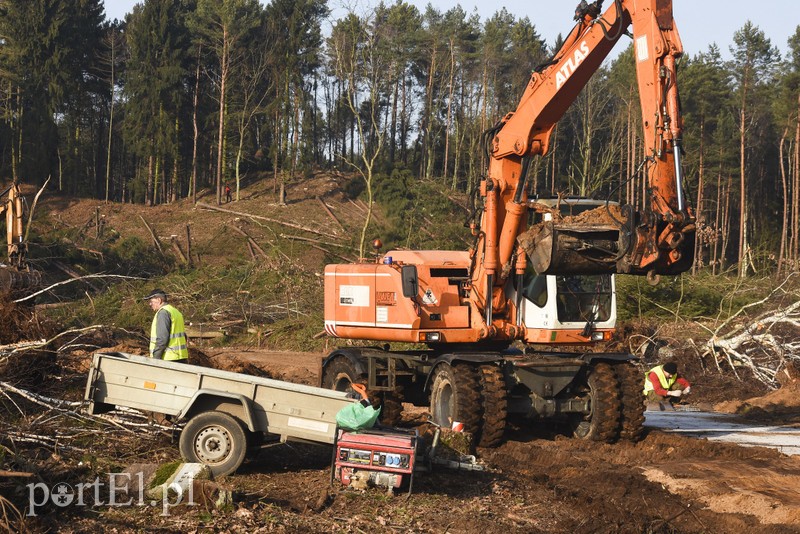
(48, 435)
(767, 344)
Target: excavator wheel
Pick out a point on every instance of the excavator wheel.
(494, 399)
(340, 373)
(455, 396)
(392, 406)
(603, 422)
(630, 383)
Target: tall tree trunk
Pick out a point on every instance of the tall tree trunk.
(175, 187)
(196, 135)
(742, 191)
(717, 218)
(698, 243)
(275, 143)
(427, 133)
(110, 120)
(224, 60)
(449, 109)
(726, 222)
(785, 218)
(796, 195)
(393, 124)
(148, 200)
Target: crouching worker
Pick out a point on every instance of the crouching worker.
(663, 386)
(359, 415)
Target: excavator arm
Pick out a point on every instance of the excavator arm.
(656, 239)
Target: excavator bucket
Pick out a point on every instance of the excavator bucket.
(15, 282)
(589, 243)
(608, 239)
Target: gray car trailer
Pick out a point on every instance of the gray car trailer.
(225, 413)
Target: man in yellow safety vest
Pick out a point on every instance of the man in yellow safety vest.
(663, 386)
(167, 333)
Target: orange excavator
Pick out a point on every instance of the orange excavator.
(541, 272)
(15, 274)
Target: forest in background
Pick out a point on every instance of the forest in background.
(185, 95)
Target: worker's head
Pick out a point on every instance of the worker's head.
(156, 298)
(670, 368)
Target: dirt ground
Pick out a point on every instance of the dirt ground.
(538, 480)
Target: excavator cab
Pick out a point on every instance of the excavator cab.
(568, 309)
(577, 306)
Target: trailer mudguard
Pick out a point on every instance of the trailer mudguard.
(208, 399)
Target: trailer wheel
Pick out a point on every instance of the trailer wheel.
(630, 383)
(215, 439)
(495, 405)
(455, 396)
(603, 422)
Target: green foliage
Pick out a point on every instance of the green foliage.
(163, 473)
(687, 297)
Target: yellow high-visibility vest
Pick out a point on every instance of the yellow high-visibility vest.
(663, 380)
(177, 348)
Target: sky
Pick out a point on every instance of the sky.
(700, 22)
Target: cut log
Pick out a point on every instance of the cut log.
(193, 332)
(330, 213)
(268, 219)
(153, 235)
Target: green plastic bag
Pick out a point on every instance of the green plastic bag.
(357, 417)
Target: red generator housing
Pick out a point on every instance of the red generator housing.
(374, 458)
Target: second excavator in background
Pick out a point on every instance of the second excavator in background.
(16, 275)
(541, 271)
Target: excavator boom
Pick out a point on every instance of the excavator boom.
(657, 239)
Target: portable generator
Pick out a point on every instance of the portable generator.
(374, 458)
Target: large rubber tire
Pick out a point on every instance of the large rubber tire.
(215, 439)
(392, 407)
(340, 373)
(455, 396)
(603, 421)
(494, 400)
(631, 386)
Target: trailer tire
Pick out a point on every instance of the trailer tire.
(630, 384)
(495, 405)
(603, 423)
(455, 396)
(214, 439)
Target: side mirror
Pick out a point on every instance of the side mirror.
(410, 281)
